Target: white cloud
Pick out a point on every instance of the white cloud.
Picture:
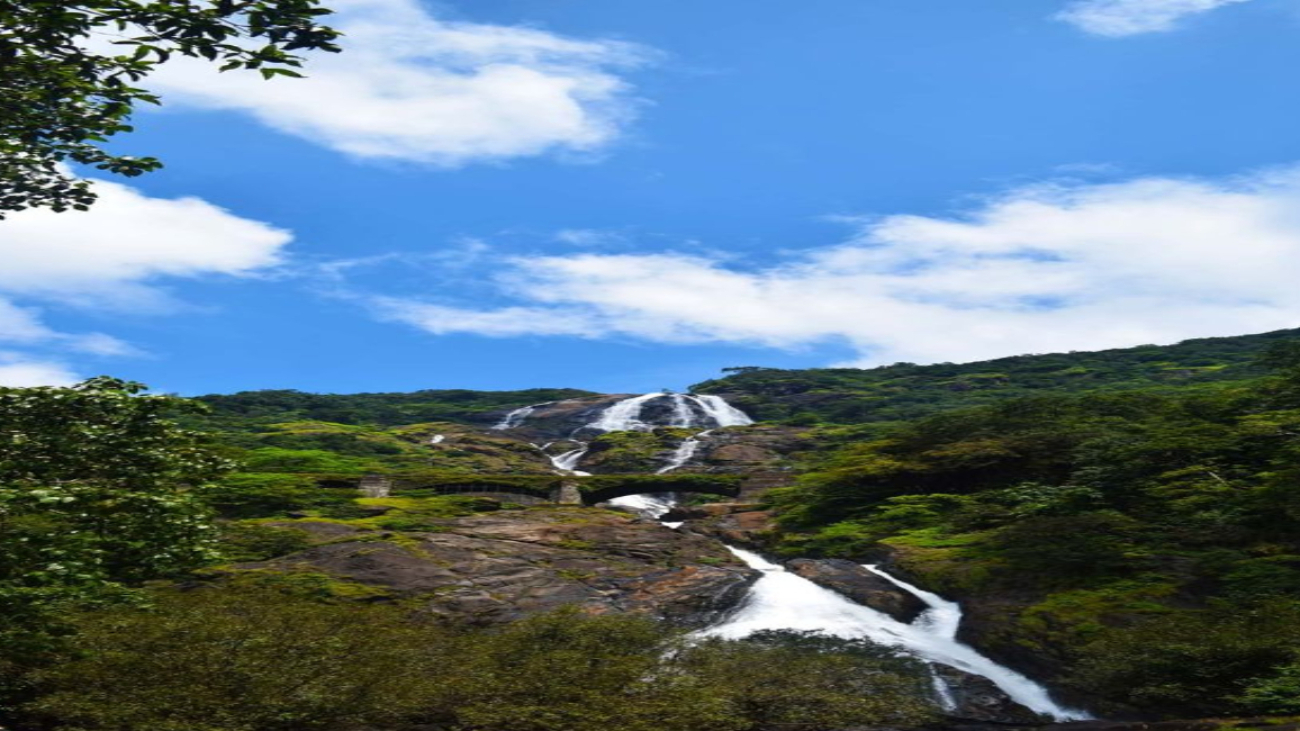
(1037, 269)
(409, 86)
(113, 256)
(125, 240)
(1118, 18)
(17, 370)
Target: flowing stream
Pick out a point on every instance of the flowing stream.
(782, 600)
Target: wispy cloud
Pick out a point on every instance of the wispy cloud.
(412, 87)
(1042, 268)
(1117, 18)
(115, 256)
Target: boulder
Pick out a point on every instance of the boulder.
(732, 523)
(860, 585)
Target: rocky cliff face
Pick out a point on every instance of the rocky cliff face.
(502, 566)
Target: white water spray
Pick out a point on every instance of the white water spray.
(723, 413)
(624, 415)
(782, 600)
(516, 418)
(685, 451)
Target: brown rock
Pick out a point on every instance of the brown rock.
(744, 527)
(860, 585)
(503, 566)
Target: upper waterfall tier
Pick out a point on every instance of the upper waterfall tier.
(589, 417)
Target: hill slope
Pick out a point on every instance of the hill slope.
(905, 391)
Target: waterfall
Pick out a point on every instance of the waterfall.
(568, 461)
(437, 439)
(685, 451)
(688, 410)
(517, 417)
(722, 413)
(782, 600)
(682, 414)
(624, 415)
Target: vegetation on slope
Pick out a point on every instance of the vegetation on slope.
(1136, 536)
(257, 408)
(906, 391)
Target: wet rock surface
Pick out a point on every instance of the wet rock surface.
(740, 524)
(977, 698)
(860, 585)
(504, 566)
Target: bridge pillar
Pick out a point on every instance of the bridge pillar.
(375, 486)
(568, 493)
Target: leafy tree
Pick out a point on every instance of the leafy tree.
(67, 89)
(99, 490)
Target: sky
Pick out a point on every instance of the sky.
(623, 196)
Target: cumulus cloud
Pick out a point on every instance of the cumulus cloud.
(126, 240)
(1037, 269)
(17, 370)
(1118, 18)
(413, 87)
(114, 256)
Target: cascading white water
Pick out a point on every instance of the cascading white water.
(516, 417)
(688, 410)
(682, 414)
(568, 461)
(722, 413)
(685, 451)
(624, 415)
(782, 600)
(437, 439)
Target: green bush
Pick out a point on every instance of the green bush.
(241, 660)
(1229, 659)
(268, 495)
(244, 542)
(798, 680)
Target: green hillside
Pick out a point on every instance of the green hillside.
(905, 391)
(382, 409)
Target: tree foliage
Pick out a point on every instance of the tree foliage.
(99, 490)
(72, 69)
(259, 659)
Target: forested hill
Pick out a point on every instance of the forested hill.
(386, 409)
(905, 391)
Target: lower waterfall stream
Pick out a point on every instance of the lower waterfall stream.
(782, 600)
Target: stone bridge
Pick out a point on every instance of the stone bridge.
(560, 490)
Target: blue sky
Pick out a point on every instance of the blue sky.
(625, 195)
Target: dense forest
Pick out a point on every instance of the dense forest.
(1144, 538)
(905, 391)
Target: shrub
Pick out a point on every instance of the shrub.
(782, 679)
(1197, 662)
(241, 660)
